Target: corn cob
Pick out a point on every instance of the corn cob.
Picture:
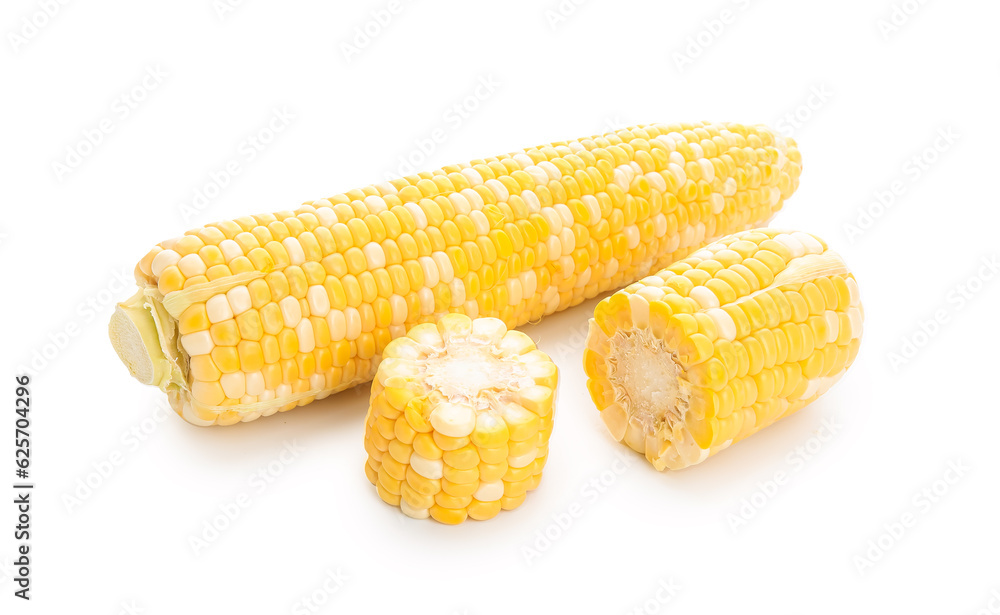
(721, 344)
(244, 318)
(459, 420)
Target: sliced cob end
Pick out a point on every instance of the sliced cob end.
(144, 341)
(460, 417)
(722, 344)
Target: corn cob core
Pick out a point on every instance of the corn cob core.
(243, 318)
(459, 420)
(721, 344)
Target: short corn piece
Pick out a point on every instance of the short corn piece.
(719, 345)
(260, 314)
(460, 418)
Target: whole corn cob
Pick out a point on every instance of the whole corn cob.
(459, 420)
(244, 318)
(721, 344)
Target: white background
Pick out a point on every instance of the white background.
(67, 238)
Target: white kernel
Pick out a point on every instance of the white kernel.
(399, 309)
(218, 309)
(255, 383)
(294, 249)
(291, 311)
(593, 209)
(550, 169)
(832, 326)
(317, 382)
(473, 176)
(386, 188)
(620, 179)
(430, 271)
(852, 288)
(419, 217)
(457, 292)
(239, 299)
(651, 293)
(523, 160)
(659, 225)
(489, 492)
(565, 214)
(460, 203)
(304, 332)
(413, 513)
(568, 241)
(319, 301)
(375, 203)
(230, 249)
(234, 385)
(428, 468)
(698, 152)
(705, 297)
(723, 322)
(498, 189)
(445, 270)
(197, 343)
(514, 294)
(374, 255)
(729, 187)
(473, 197)
(553, 246)
(639, 308)
(538, 175)
(480, 221)
(811, 245)
(794, 245)
(283, 391)
(529, 283)
(523, 460)
(552, 218)
(191, 265)
(676, 158)
(453, 420)
(678, 172)
(352, 323)
(632, 236)
(707, 169)
(718, 202)
(162, 260)
(656, 181)
(531, 200)
(426, 297)
(338, 325)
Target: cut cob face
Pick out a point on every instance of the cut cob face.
(460, 418)
(721, 344)
(248, 317)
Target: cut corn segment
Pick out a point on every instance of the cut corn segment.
(721, 344)
(475, 404)
(305, 301)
